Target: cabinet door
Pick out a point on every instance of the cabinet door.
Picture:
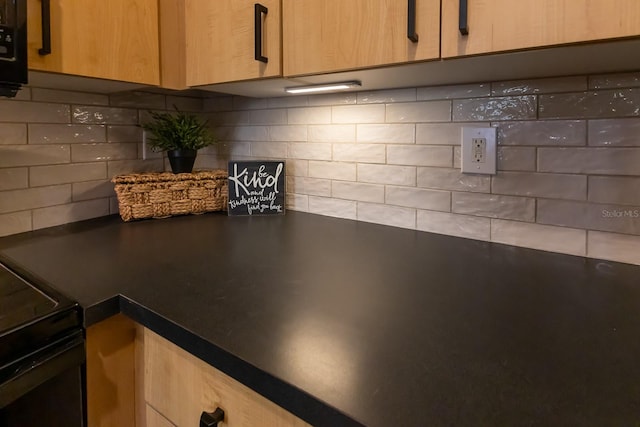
(114, 39)
(503, 25)
(221, 42)
(180, 386)
(332, 35)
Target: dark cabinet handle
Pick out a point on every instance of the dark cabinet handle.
(463, 24)
(46, 28)
(211, 419)
(411, 21)
(259, 10)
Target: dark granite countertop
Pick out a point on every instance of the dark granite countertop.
(348, 323)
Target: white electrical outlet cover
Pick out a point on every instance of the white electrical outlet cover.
(475, 158)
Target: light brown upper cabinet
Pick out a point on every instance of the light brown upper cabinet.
(108, 39)
(322, 36)
(503, 25)
(206, 42)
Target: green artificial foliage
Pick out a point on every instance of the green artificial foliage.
(176, 131)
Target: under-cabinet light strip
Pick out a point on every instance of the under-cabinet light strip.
(323, 88)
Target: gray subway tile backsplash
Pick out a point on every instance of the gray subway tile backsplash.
(608, 81)
(554, 133)
(420, 198)
(420, 155)
(452, 179)
(615, 132)
(592, 160)
(493, 109)
(101, 152)
(386, 133)
(386, 214)
(471, 227)
(15, 222)
(363, 153)
(13, 133)
(494, 206)
(614, 189)
(101, 115)
(387, 174)
(596, 104)
(591, 216)
(537, 236)
(13, 111)
(40, 176)
(30, 155)
(14, 178)
(339, 208)
(535, 86)
(358, 191)
(288, 133)
(517, 158)
(340, 171)
(332, 133)
(66, 133)
(419, 112)
(31, 198)
(88, 190)
(612, 246)
(442, 133)
(372, 113)
(309, 115)
(531, 184)
(568, 156)
(310, 186)
(274, 150)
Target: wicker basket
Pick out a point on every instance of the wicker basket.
(160, 195)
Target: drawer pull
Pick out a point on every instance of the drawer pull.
(46, 28)
(411, 21)
(211, 419)
(463, 25)
(258, 11)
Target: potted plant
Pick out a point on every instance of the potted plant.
(181, 135)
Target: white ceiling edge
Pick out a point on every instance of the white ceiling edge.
(597, 58)
(582, 59)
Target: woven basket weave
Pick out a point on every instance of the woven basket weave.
(160, 195)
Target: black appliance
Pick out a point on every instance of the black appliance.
(42, 356)
(13, 46)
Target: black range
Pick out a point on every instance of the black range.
(41, 355)
(348, 323)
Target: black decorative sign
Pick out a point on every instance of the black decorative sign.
(256, 188)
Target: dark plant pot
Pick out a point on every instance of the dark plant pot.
(182, 160)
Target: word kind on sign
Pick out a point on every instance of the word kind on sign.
(256, 188)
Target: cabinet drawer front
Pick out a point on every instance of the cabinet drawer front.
(332, 35)
(503, 25)
(180, 386)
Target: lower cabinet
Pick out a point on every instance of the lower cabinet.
(137, 378)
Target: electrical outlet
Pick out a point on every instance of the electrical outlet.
(479, 147)
(478, 153)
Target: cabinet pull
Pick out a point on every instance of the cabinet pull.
(411, 21)
(211, 419)
(259, 10)
(463, 25)
(46, 28)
